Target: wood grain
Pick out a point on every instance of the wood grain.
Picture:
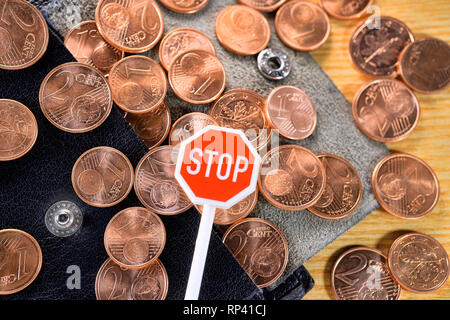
(430, 141)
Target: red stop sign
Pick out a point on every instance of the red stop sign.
(217, 166)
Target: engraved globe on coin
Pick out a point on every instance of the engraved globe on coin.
(184, 6)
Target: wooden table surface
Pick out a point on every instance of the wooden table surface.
(430, 141)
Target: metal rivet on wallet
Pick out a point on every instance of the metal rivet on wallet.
(63, 218)
(274, 64)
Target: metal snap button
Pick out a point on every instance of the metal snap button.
(274, 64)
(63, 218)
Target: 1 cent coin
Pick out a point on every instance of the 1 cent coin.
(18, 130)
(102, 177)
(343, 189)
(425, 65)
(419, 263)
(20, 260)
(197, 76)
(130, 26)
(184, 6)
(345, 9)
(302, 25)
(292, 112)
(291, 178)
(87, 46)
(386, 110)
(23, 34)
(405, 186)
(155, 184)
(362, 274)
(134, 238)
(138, 84)
(75, 97)
(260, 248)
(189, 124)
(182, 39)
(242, 30)
(116, 283)
(263, 5)
(375, 51)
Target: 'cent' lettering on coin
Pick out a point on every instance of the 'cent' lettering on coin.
(296, 182)
(386, 110)
(156, 186)
(362, 274)
(87, 46)
(134, 238)
(131, 26)
(260, 248)
(75, 97)
(102, 177)
(346, 9)
(20, 260)
(23, 34)
(116, 283)
(263, 5)
(189, 124)
(184, 6)
(18, 130)
(405, 186)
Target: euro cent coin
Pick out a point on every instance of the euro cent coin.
(346, 10)
(184, 6)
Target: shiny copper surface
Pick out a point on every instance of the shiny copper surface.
(130, 26)
(184, 6)
(419, 263)
(242, 30)
(386, 110)
(405, 186)
(292, 112)
(346, 9)
(75, 97)
(302, 25)
(116, 283)
(260, 248)
(197, 77)
(189, 124)
(375, 52)
(264, 5)
(138, 84)
(102, 177)
(20, 260)
(134, 238)
(343, 189)
(87, 46)
(23, 34)
(18, 130)
(291, 178)
(362, 274)
(155, 184)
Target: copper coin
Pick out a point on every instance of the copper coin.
(242, 30)
(346, 9)
(263, 5)
(134, 238)
(182, 39)
(291, 178)
(87, 46)
(188, 125)
(152, 127)
(197, 77)
(237, 212)
(75, 97)
(260, 248)
(18, 130)
(425, 65)
(20, 260)
(243, 109)
(362, 274)
(419, 263)
(116, 283)
(343, 189)
(23, 34)
(102, 177)
(405, 186)
(292, 112)
(302, 25)
(375, 52)
(130, 26)
(155, 184)
(386, 110)
(138, 84)
(184, 6)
